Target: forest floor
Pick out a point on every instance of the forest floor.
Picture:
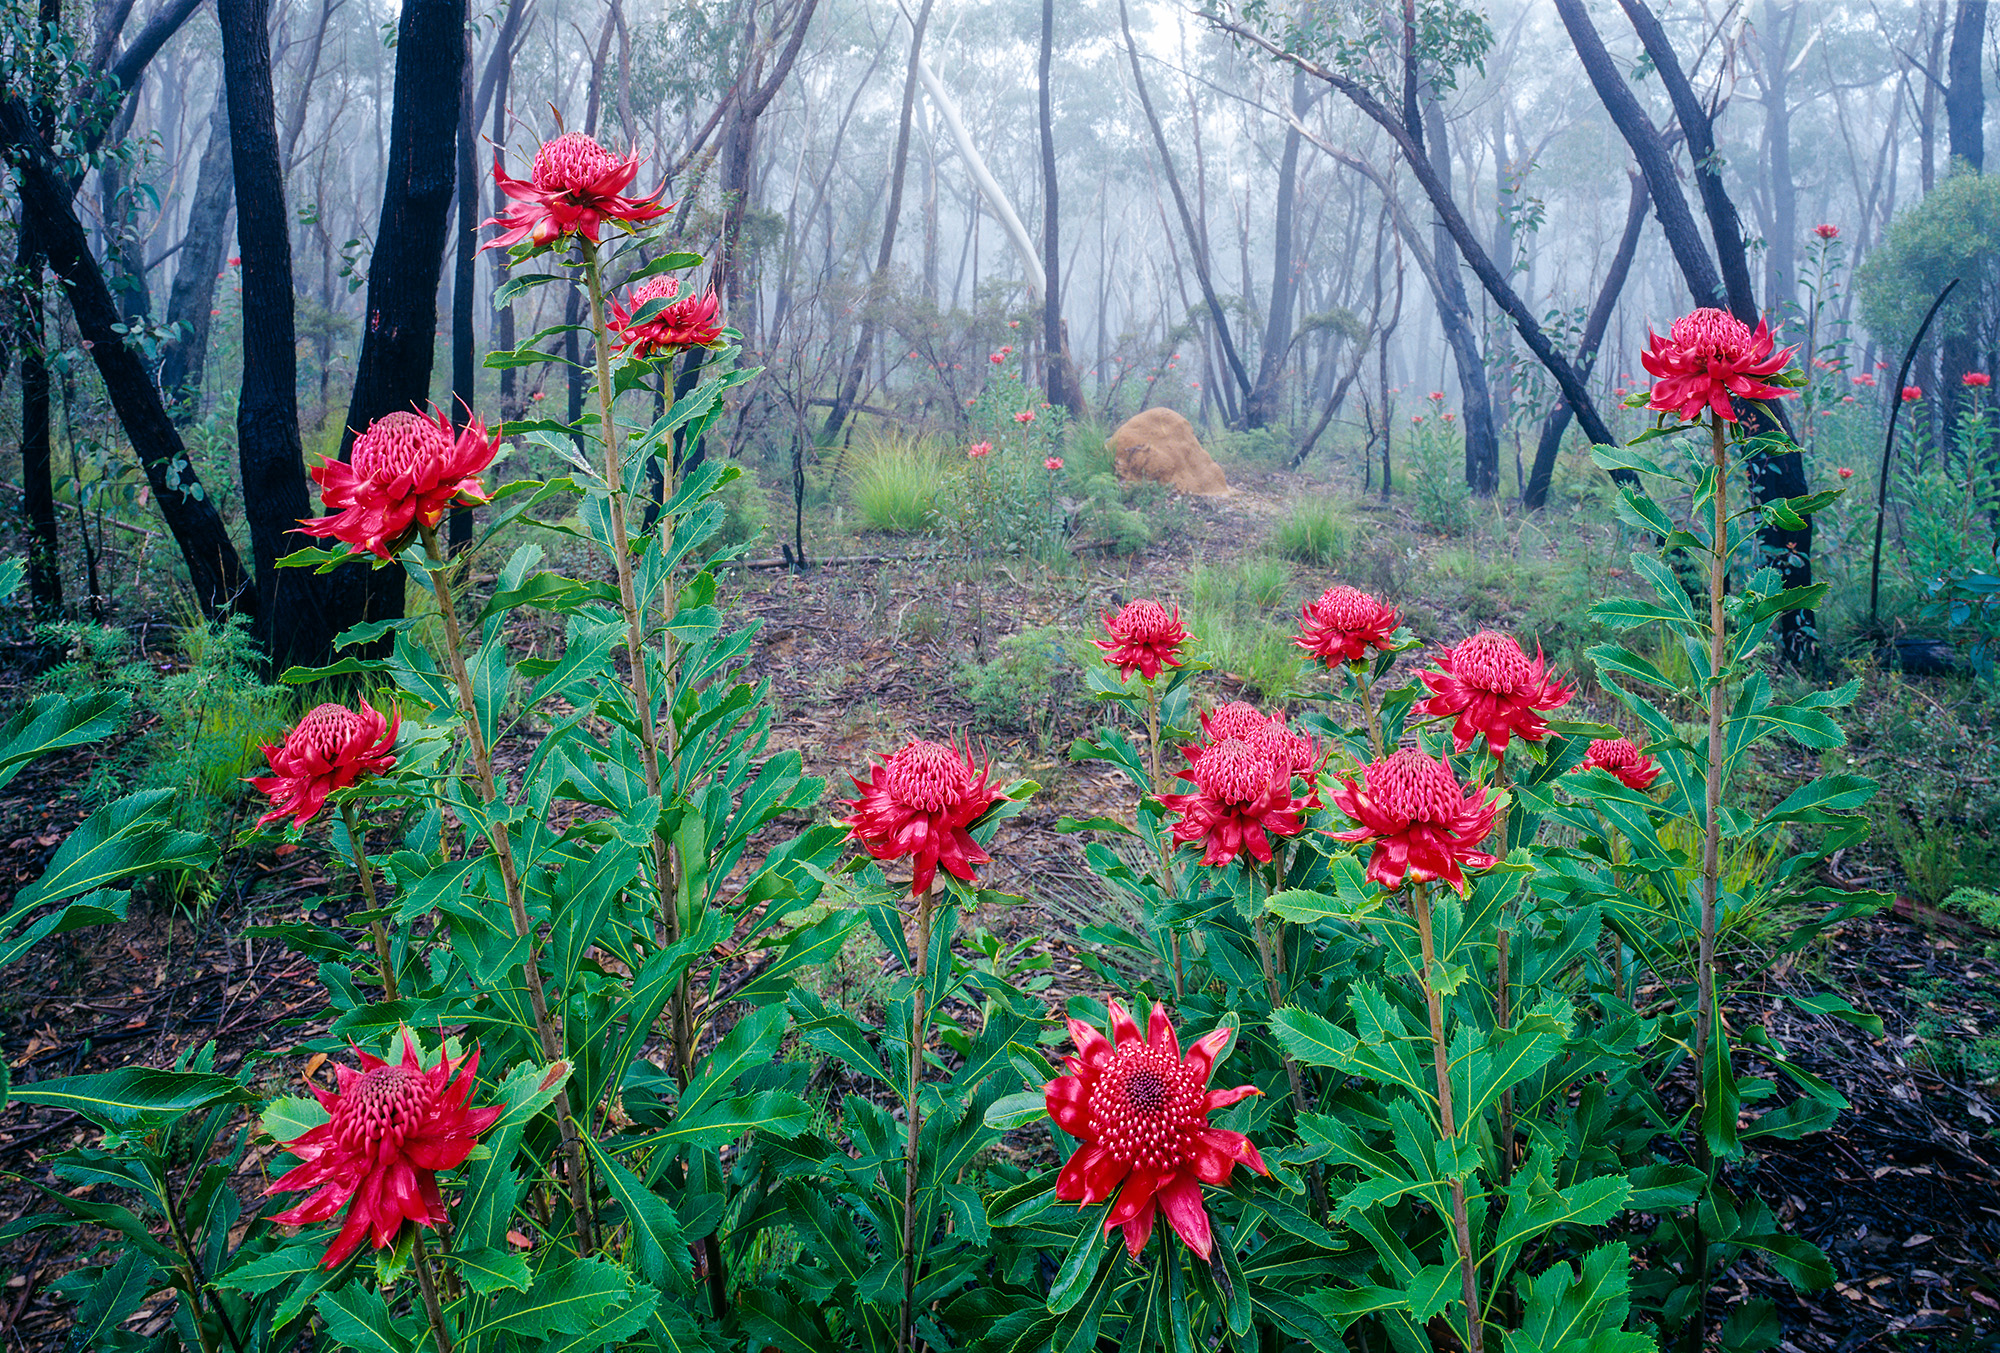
(1904, 1193)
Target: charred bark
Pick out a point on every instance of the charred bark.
(1059, 373)
(38, 498)
(193, 292)
(464, 277)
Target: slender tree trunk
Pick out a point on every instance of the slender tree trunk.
(1461, 329)
(1063, 389)
(737, 153)
(503, 315)
(1197, 253)
(1557, 423)
(37, 476)
(1781, 252)
(878, 281)
(202, 252)
(214, 570)
(1965, 117)
(1264, 404)
(393, 372)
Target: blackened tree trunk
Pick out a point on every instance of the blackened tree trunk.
(393, 372)
(202, 252)
(37, 477)
(878, 281)
(1059, 374)
(1557, 423)
(1777, 30)
(503, 315)
(464, 278)
(1965, 118)
(1461, 329)
(298, 612)
(1771, 477)
(1262, 406)
(214, 570)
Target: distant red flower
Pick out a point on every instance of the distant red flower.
(393, 1127)
(1422, 824)
(1977, 379)
(996, 359)
(1633, 767)
(1242, 797)
(685, 323)
(918, 805)
(406, 469)
(1491, 687)
(1844, 472)
(1052, 464)
(331, 748)
(1345, 624)
(1141, 1111)
(1709, 356)
(1437, 396)
(978, 449)
(1006, 349)
(1417, 419)
(1451, 418)
(574, 187)
(1025, 416)
(1912, 393)
(1144, 638)
(1865, 379)
(1827, 232)
(235, 262)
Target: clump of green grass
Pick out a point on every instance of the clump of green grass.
(896, 484)
(1316, 531)
(1241, 613)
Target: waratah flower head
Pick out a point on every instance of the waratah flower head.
(1633, 767)
(1145, 636)
(1977, 379)
(392, 1127)
(1242, 797)
(1708, 357)
(1491, 686)
(1421, 824)
(1140, 1110)
(1827, 232)
(331, 748)
(402, 473)
(918, 805)
(1237, 719)
(574, 187)
(1345, 624)
(688, 322)
(1912, 393)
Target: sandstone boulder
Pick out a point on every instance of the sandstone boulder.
(1160, 445)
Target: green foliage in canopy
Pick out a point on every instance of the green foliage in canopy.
(1953, 232)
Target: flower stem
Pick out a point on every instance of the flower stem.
(1167, 883)
(1503, 995)
(367, 873)
(1711, 844)
(1368, 708)
(427, 1284)
(1468, 1267)
(664, 870)
(510, 878)
(906, 1334)
(1271, 955)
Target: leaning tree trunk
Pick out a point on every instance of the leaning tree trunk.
(298, 612)
(393, 372)
(1557, 423)
(202, 251)
(214, 571)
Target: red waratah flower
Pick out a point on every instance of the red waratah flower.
(686, 323)
(332, 747)
(1707, 357)
(1827, 232)
(1437, 396)
(574, 186)
(1978, 379)
(1344, 624)
(1025, 416)
(1144, 638)
(995, 358)
(918, 805)
(405, 469)
(1237, 719)
(1141, 1111)
(978, 449)
(1242, 797)
(1052, 463)
(1422, 824)
(1864, 379)
(1007, 350)
(1633, 767)
(1844, 472)
(393, 1127)
(1912, 393)
(1489, 683)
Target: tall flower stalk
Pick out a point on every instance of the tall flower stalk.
(1718, 697)
(366, 874)
(1461, 1225)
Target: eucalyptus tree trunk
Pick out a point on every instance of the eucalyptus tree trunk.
(202, 250)
(1461, 329)
(464, 277)
(399, 333)
(1265, 401)
(37, 474)
(1965, 117)
(1059, 373)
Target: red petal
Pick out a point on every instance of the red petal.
(1160, 1032)
(1139, 1229)
(1124, 1029)
(1180, 1199)
(1207, 1050)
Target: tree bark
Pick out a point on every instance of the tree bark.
(37, 473)
(878, 281)
(464, 277)
(1965, 94)
(1059, 373)
(1197, 252)
(1781, 250)
(214, 571)
(1482, 443)
(1262, 406)
(393, 372)
(202, 250)
(298, 612)
(738, 150)
(1556, 424)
